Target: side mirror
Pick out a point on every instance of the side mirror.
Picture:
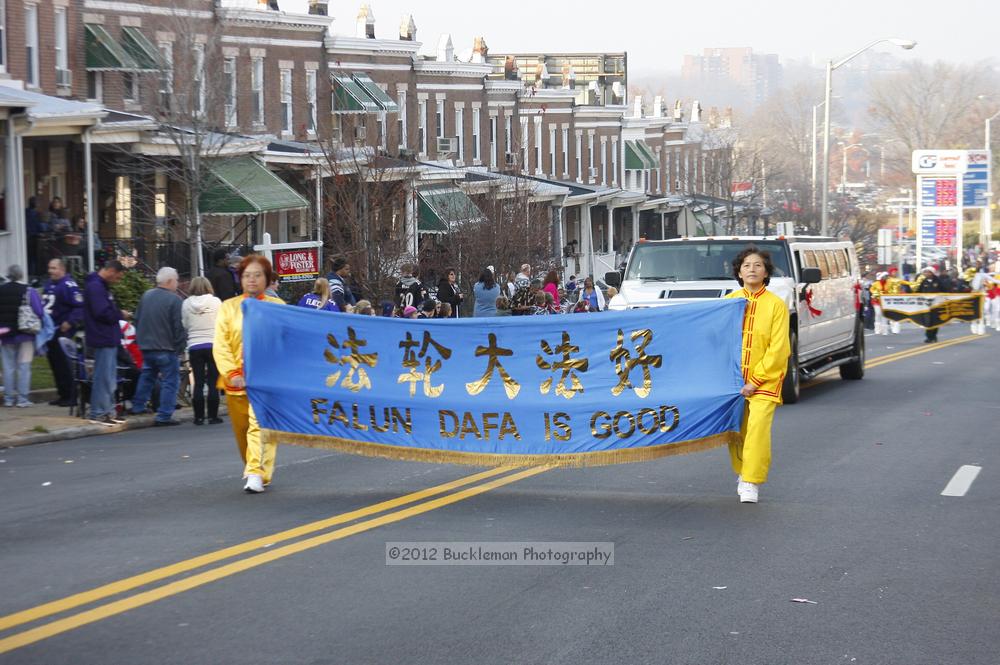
(810, 276)
(613, 279)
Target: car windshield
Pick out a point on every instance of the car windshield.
(696, 260)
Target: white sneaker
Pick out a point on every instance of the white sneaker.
(254, 484)
(748, 492)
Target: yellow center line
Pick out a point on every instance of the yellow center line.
(882, 360)
(98, 593)
(898, 355)
(146, 597)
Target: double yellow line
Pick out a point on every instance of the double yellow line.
(909, 353)
(418, 502)
(112, 608)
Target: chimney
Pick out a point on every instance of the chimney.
(570, 78)
(727, 117)
(637, 107)
(658, 106)
(696, 111)
(678, 111)
(479, 50)
(446, 50)
(366, 22)
(407, 29)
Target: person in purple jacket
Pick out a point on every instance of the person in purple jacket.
(103, 336)
(16, 348)
(64, 303)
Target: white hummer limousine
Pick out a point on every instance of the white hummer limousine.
(817, 277)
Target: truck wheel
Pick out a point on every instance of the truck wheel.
(790, 386)
(855, 370)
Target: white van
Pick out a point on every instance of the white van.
(817, 277)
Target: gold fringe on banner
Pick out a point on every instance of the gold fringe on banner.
(599, 458)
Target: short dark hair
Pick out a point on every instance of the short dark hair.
(339, 262)
(747, 251)
(219, 254)
(114, 264)
(429, 305)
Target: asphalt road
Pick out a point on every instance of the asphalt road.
(852, 519)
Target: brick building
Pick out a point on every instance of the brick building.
(175, 105)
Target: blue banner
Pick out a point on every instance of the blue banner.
(573, 389)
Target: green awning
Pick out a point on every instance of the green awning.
(143, 52)
(376, 93)
(638, 156)
(242, 185)
(349, 97)
(441, 208)
(650, 157)
(103, 52)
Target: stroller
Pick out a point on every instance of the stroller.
(83, 371)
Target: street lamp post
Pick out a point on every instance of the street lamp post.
(830, 66)
(987, 230)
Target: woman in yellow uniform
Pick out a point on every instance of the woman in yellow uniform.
(764, 361)
(255, 274)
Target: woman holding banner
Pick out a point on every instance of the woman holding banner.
(255, 273)
(764, 361)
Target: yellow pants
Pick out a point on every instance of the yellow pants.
(258, 457)
(751, 457)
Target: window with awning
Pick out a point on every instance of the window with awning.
(639, 157)
(439, 209)
(376, 93)
(143, 52)
(648, 154)
(103, 52)
(349, 97)
(242, 185)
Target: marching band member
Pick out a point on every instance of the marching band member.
(879, 288)
(764, 361)
(993, 301)
(255, 275)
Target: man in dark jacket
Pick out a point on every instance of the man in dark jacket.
(409, 291)
(64, 303)
(223, 281)
(930, 283)
(161, 338)
(103, 332)
(340, 291)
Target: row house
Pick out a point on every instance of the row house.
(150, 90)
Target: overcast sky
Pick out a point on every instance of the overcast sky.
(657, 34)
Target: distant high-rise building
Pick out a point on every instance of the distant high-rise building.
(757, 74)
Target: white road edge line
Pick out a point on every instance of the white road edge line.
(962, 480)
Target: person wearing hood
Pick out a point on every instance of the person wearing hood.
(409, 291)
(223, 281)
(198, 316)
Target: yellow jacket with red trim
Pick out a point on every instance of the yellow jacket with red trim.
(765, 342)
(227, 348)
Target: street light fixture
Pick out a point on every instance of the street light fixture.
(906, 44)
(843, 178)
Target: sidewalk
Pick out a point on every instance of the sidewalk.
(42, 423)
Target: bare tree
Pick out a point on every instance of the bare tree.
(190, 90)
(365, 207)
(933, 106)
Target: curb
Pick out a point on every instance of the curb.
(87, 429)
